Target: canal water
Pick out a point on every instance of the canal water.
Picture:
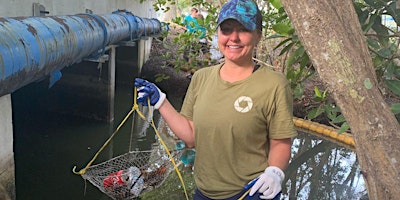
(48, 145)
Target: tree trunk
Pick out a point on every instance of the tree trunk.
(332, 36)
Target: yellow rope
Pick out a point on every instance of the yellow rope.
(328, 132)
(135, 108)
(83, 171)
(244, 195)
(169, 154)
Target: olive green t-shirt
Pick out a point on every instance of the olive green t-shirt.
(233, 122)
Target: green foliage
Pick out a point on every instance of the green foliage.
(161, 77)
(297, 67)
(161, 5)
(327, 107)
(394, 86)
(382, 40)
(276, 3)
(185, 50)
(395, 108)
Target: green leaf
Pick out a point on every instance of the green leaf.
(370, 2)
(282, 12)
(371, 22)
(298, 91)
(381, 30)
(291, 75)
(283, 29)
(282, 43)
(330, 113)
(315, 112)
(325, 94)
(317, 92)
(345, 126)
(362, 13)
(397, 72)
(394, 12)
(276, 3)
(275, 36)
(395, 108)
(373, 43)
(339, 119)
(394, 86)
(298, 53)
(377, 61)
(390, 71)
(385, 52)
(286, 48)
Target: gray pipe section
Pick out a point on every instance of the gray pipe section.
(33, 47)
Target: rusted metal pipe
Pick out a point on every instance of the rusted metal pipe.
(31, 48)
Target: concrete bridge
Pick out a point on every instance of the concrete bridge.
(72, 43)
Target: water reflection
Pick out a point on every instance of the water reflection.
(320, 169)
(48, 145)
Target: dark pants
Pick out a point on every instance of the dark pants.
(200, 196)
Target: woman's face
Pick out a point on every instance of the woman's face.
(236, 42)
(193, 12)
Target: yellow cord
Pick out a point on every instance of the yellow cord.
(83, 171)
(326, 132)
(169, 154)
(244, 195)
(135, 107)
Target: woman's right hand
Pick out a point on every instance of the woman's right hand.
(148, 90)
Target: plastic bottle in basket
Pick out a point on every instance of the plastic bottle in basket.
(137, 188)
(135, 181)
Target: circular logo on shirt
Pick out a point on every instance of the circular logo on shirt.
(243, 104)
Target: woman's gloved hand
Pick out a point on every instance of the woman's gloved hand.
(147, 90)
(269, 183)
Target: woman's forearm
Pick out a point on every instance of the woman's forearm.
(279, 153)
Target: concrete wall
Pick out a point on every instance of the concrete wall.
(17, 8)
(24, 8)
(7, 177)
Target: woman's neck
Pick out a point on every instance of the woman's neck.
(233, 72)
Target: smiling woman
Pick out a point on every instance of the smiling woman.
(237, 114)
(237, 43)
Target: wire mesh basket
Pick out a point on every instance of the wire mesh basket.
(128, 175)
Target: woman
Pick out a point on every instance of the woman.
(190, 21)
(237, 115)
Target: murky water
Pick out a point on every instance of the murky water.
(47, 146)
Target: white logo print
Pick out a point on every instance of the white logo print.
(244, 101)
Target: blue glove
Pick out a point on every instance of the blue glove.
(147, 90)
(268, 183)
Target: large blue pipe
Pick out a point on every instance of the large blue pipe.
(33, 47)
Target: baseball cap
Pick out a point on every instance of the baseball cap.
(244, 11)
